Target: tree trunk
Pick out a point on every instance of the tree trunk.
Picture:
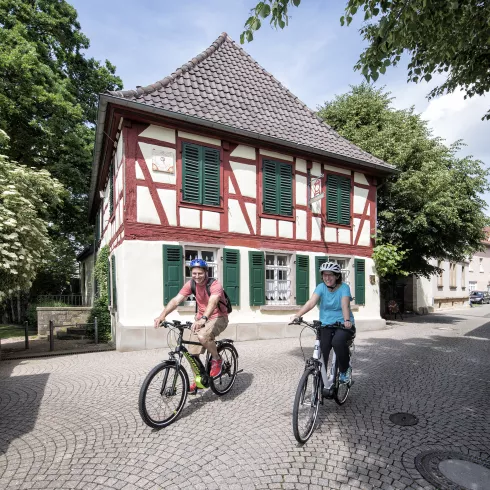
(19, 313)
(12, 309)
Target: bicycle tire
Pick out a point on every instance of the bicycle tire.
(310, 380)
(341, 391)
(225, 381)
(160, 392)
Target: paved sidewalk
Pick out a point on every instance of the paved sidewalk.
(72, 421)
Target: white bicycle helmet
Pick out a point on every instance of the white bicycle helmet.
(330, 267)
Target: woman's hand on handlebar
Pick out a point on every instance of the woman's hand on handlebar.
(348, 324)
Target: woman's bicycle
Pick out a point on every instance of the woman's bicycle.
(317, 383)
(164, 391)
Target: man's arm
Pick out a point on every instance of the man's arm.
(212, 303)
(172, 304)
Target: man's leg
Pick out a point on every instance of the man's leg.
(209, 332)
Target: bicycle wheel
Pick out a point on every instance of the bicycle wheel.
(224, 382)
(341, 391)
(163, 395)
(306, 404)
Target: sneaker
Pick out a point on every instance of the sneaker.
(345, 377)
(193, 388)
(215, 368)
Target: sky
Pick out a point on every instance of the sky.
(313, 57)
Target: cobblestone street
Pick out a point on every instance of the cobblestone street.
(73, 422)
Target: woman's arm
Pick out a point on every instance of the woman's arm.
(309, 305)
(346, 311)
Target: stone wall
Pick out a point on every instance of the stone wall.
(61, 316)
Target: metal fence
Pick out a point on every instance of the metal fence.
(67, 299)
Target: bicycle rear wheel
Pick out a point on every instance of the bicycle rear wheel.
(163, 395)
(306, 404)
(225, 381)
(341, 391)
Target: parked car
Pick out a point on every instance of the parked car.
(479, 297)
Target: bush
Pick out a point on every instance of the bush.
(101, 311)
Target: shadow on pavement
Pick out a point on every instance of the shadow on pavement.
(20, 399)
(482, 331)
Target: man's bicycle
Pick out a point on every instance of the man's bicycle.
(317, 383)
(164, 391)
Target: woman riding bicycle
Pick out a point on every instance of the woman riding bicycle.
(334, 296)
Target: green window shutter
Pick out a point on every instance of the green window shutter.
(173, 271)
(344, 201)
(302, 279)
(269, 187)
(114, 289)
(360, 270)
(231, 274)
(256, 278)
(285, 189)
(318, 262)
(338, 200)
(111, 190)
(109, 290)
(191, 173)
(211, 174)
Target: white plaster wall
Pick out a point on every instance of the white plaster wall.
(190, 218)
(198, 137)
(301, 165)
(316, 207)
(252, 214)
(286, 229)
(210, 220)
(360, 197)
(139, 172)
(236, 220)
(168, 199)
(340, 170)
(273, 154)
(316, 169)
(424, 292)
(231, 187)
(330, 234)
(246, 178)
(163, 177)
(159, 133)
(316, 227)
(120, 149)
(344, 236)
(301, 224)
(365, 237)
(242, 151)
(301, 190)
(268, 227)
(360, 178)
(146, 211)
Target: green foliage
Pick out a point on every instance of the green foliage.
(101, 311)
(101, 305)
(388, 260)
(31, 313)
(432, 208)
(48, 105)
(450, 38)
(25, 195)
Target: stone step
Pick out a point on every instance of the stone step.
(69, 336)
(76, 331)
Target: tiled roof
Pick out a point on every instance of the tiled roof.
(225, 85)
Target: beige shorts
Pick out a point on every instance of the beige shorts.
(210, 331)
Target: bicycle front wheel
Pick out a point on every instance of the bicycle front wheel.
(224, 382)
(163, 395)
(342, 391)
(306, 404)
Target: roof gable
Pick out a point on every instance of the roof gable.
(225, 85)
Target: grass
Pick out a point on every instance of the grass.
(9, 331)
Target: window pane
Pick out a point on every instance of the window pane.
(269, 259)
(208, 256)
(191, 254)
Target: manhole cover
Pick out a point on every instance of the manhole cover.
(454, 471)
(404, 419)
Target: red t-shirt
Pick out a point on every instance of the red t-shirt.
(202, 297)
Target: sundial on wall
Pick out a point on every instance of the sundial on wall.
(163, 161)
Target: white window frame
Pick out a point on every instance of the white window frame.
(472, 286)
(344, 263)
(278, 287)
(201, 253)
(481, 265)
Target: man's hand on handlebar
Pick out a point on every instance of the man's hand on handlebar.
(158, 321)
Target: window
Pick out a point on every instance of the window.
(472, 286)
(452, 275)
(481, 264)
(463, 277)
(440, 279)
(277, 181)
(338, 199)
(470, 267)
(343, 263)
(277, 279)
(200, 175)
(209, 256)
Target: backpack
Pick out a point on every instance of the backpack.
(208, 290)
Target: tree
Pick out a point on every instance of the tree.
(48, 104)
(432, 208)
(25, 196)
(440, 36)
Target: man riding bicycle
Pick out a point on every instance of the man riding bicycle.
(334, 296)
(211, 317)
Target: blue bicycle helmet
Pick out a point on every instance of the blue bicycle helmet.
(198, 263)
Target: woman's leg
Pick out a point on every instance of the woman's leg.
(326, 342)
(339, 343)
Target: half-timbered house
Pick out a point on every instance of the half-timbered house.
(216, 161)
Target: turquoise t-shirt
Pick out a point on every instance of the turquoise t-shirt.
(331, 303)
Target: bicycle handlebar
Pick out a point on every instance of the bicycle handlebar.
(176, 324)
(317, 324)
